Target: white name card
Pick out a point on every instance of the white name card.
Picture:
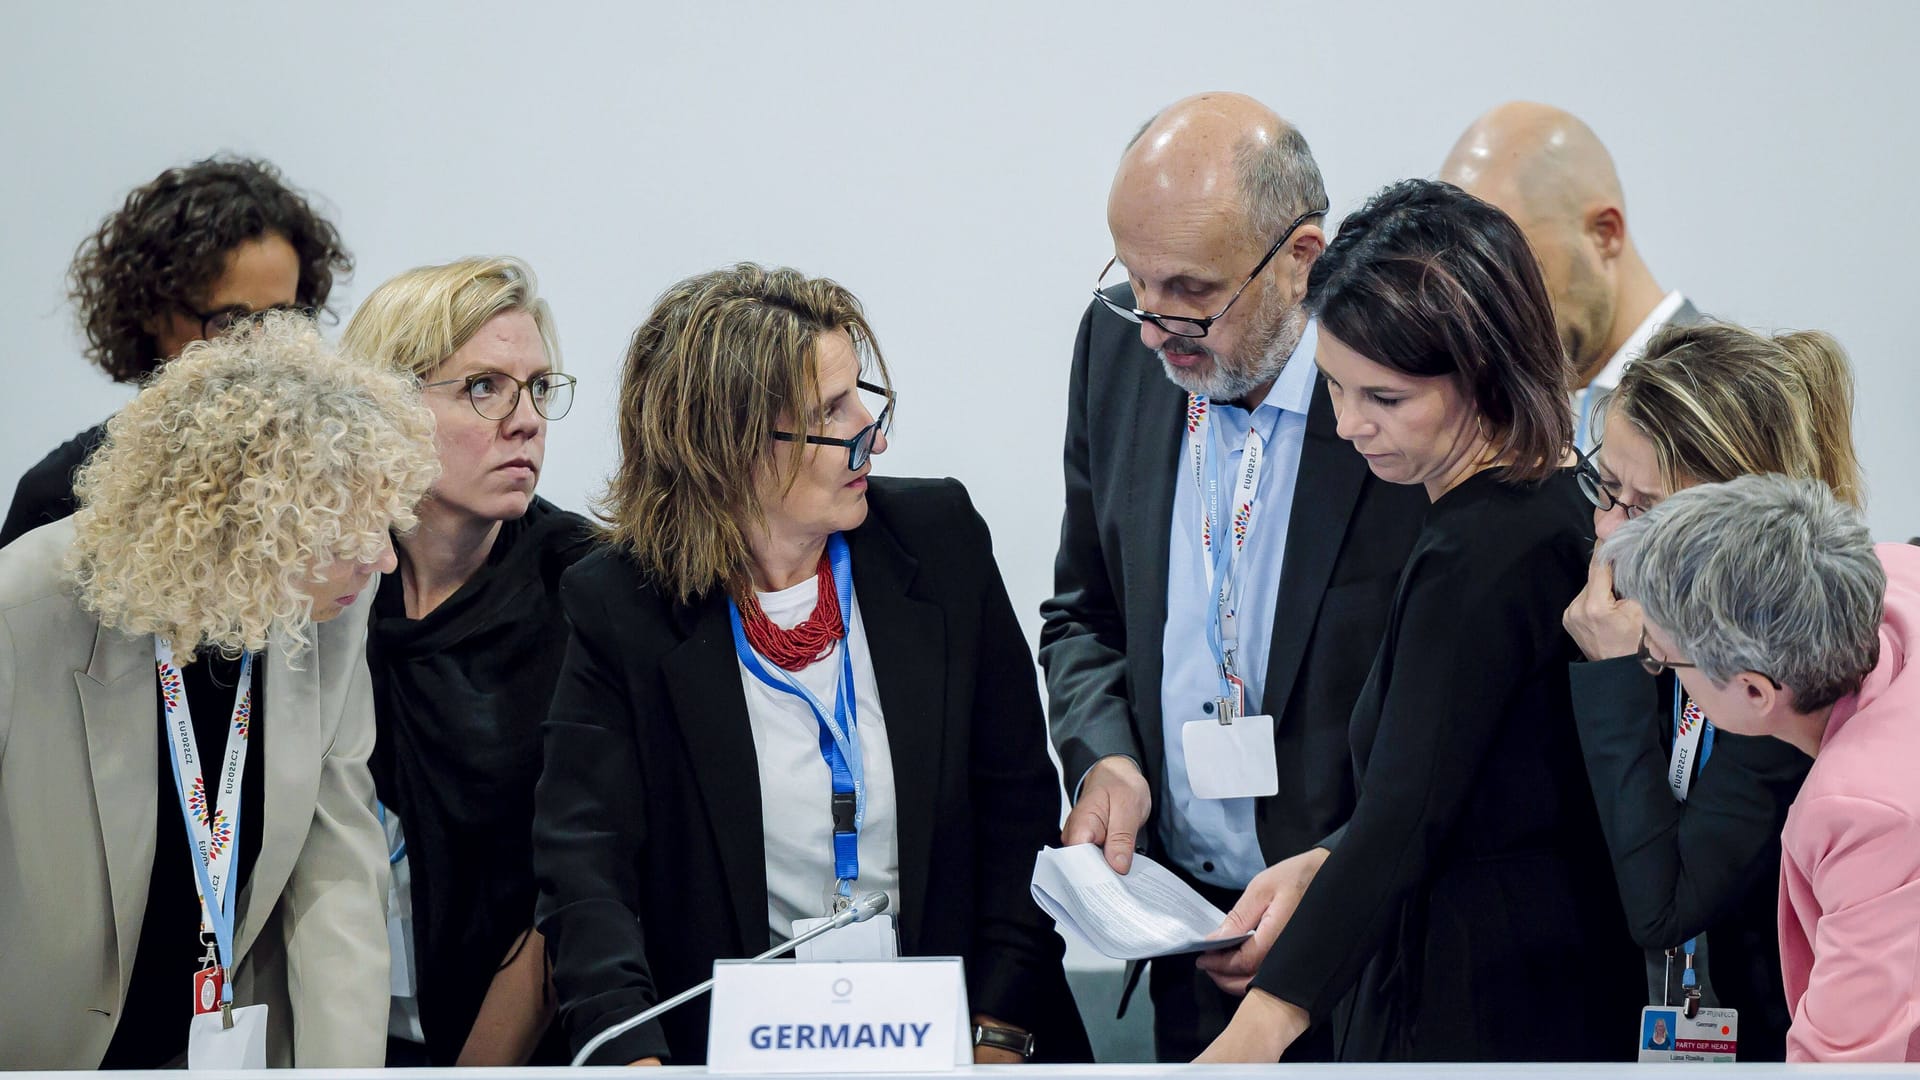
(907, 1015)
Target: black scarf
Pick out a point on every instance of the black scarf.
(460, 697)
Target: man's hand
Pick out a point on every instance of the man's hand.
(1261, 1030)
(1603, 625)
(1113, 805)
(1263, 911)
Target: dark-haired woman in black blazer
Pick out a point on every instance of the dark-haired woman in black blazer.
(787, 685)
(1467, 909)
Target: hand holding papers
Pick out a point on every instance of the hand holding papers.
(1147, 913)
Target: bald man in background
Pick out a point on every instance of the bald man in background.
(1197, 341)
(1550, 173)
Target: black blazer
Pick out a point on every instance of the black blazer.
(1101, 640)
(45, 492)
(1710, 865)
(1472, 882)
(647, 842)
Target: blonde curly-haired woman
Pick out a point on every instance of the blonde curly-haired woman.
(185, 712)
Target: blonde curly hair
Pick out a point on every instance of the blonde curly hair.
(242, 468)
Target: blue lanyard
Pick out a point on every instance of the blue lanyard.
(1706, 729)
(398, 851)
(219, 909)
(1689, 979)
(839, 731)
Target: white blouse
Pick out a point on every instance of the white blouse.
(796, 785)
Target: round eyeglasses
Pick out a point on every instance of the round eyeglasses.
(495, 394)
(860, 447)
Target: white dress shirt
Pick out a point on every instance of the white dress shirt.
(796, 786)
(1584, 434)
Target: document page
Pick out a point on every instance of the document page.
(1149, 912)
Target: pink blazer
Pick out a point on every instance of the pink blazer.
(1850, 858)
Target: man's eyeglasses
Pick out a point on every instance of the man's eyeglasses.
(494, 394)
(1653, 665)
(860, 447)
(1600, 491)
(215, 323)
(1190, 326)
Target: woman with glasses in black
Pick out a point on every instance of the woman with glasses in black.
(1692, 815)
(790, 684)
(464, 645)
(189, 254)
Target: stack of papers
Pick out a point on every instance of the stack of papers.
(1145, 914)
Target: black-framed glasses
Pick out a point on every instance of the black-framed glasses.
(1653, 665)
(488, 393)
(1598, 490)
(860, 447)
(215, 323)
(1188, 326)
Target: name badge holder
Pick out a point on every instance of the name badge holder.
(1229, 754)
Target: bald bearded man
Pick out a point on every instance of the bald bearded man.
(1552, 176)
(1194, 397)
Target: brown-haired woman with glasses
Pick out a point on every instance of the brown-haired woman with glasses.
(189, 254)
(1693, 815)
(789, 684)
(1466, 909)
(464, 645)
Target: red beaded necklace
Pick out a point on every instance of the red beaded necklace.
(805, 644)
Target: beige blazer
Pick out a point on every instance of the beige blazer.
(79, 765)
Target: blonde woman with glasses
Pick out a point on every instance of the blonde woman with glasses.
(1693, 814)
(465, 644)
(185, 711)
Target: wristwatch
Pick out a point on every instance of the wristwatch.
(1020, 1042)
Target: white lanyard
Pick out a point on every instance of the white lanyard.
(213, 817)
(1222, 559)
(1690, 728)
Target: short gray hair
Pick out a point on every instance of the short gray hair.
(1279, 180)
(1764, 574)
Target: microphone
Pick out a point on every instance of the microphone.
(860, 910)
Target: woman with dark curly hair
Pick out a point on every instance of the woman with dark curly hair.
(190, 253)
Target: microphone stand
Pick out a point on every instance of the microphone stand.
(865, 908)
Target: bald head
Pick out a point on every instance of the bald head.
(1205, 212)
(1535, 162)
(1552, 176)
(1219, 154)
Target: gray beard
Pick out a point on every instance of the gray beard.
(1231, 382)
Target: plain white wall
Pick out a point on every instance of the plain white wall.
(947, 162)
